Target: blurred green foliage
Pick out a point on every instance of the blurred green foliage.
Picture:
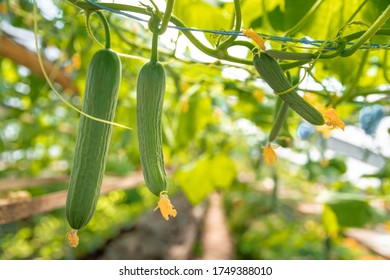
(43, 236)
(214, 122)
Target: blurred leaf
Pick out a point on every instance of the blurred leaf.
(295, 11)
(223, 170)
(193, 119)
(200, 14)
(200, 178)
(350, 210)
(194, 179)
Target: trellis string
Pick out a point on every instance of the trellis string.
(303, 40)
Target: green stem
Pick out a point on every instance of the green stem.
(360, 92)
(88, 28)
(237, 26)
(369, 33)
(285, 55)
(355, 81)
(306, 57)
(280, 119)
(106, 29)
(154, 51)
(291, 65)
(327, 247)
(154, 54)
(156, 10)
(274, 200)
(247, 44)
(167, 17)
(342, 43)
(353, 36)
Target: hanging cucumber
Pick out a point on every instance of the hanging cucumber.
(93, 139)
(150, 98)
(273, 75)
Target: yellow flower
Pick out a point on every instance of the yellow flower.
(332, 119)
(269, 155)
(72, 238)
(166, 207)
(255, 37)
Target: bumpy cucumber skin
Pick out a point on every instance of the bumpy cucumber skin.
(150, 98)
(93, 138)
(273, 75)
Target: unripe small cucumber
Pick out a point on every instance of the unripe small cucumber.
(273, 75)
(290, 55)
(150, 98)
(93, 138)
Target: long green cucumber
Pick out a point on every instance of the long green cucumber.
(273, 75)
(150, 98)
(93, 138)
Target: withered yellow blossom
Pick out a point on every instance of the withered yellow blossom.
(72, 238)
(255, 37)
(166, 207)
(332, 119)
(269, 154)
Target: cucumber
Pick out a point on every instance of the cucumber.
(150, 98)
(93, 137)
(273, 75)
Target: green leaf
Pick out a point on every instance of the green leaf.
(223, 170)
(202, 15)
(194, 180)
(296, 10)
(199, 179)
(194, 120)
(350, 210)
